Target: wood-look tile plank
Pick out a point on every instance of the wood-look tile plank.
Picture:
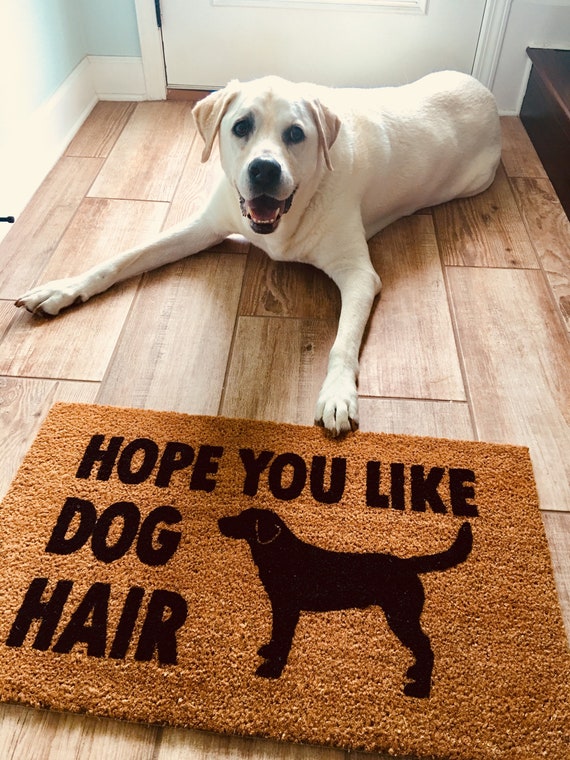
(516, 356)
(486, 230)
(276, 369)
(24, 404)
(146, 160)
(550, 231)
(440, 419)
(518, 154)
(27, 734)
(103, 739)
(557, 526)
(100, 131)
(194, 96)
(28, 246)
(102, 228)
(197, 181)
(79, 342)
(175, 744)
(173, 351)
(279, 289)
(196, 184)
(409, 350)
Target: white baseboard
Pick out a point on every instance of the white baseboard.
(117, 78)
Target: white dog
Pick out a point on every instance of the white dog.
(310, 174)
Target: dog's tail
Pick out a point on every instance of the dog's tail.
(455, 555)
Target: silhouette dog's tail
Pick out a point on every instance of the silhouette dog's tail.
(455, 555)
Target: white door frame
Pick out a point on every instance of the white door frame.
(152, 55)
(489, 46)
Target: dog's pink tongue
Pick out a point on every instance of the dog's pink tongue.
(264, 210)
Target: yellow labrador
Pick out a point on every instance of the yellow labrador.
(310, 174)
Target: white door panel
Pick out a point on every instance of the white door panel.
(350, 44)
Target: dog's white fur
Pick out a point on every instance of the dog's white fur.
(363, 159)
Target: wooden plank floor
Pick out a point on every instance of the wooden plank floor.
(469, 340)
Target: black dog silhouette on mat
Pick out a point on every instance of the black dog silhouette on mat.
(298, 576)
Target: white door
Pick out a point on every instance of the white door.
(334, 42)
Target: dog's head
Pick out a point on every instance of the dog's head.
(273, 140)
(259, 527)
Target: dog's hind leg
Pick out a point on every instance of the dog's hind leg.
(408, 629)
(277, 651)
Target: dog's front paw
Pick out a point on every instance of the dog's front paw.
(337, 405)
(51, 298)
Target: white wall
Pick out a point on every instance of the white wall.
(57, 57)
(110, 27)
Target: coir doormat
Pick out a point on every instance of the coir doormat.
(380, 592)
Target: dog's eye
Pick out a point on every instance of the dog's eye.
(242, 128)
(294, 135)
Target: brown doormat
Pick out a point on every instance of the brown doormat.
(380, 592)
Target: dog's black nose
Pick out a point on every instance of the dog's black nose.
(264, 174)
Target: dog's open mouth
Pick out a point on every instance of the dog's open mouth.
(264, 212)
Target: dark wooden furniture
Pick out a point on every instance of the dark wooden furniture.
(545, 114)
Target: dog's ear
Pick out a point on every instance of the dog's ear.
(328, 126)
(267, 529)
(209, 112)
